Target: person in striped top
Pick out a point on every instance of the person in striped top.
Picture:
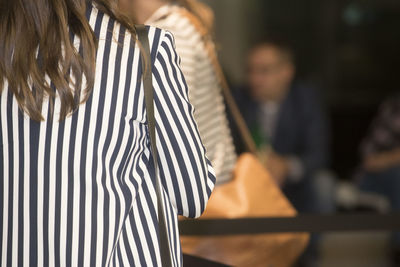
(190, 23)
(77, 181)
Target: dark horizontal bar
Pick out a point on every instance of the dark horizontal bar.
(301, 223)
(194, 261)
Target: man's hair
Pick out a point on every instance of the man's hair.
(280, 44)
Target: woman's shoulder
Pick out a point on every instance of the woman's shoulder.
(159, 39)
(177, 20)
(108, 29)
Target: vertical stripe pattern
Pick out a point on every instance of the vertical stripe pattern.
(81, 192)
(204, 89)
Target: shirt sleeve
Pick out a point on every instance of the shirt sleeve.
(186, 173)
(384, 132)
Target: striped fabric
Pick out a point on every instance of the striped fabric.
(204, 89)
(80, 192)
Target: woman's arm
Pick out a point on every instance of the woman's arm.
(185, 171)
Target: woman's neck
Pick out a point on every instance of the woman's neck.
(141, 10)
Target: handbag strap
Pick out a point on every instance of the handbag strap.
(142, 33)
(233, 107)
(230, 101)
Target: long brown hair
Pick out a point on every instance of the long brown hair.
(36, 43)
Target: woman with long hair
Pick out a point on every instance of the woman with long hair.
(77, 181)
(191, 22)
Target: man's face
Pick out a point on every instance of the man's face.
(269, 74)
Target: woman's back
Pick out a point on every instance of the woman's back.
(79, 192)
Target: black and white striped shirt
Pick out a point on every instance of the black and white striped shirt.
(80, 192)
(204, 89)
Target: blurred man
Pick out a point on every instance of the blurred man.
(290, 130)
(286, 121)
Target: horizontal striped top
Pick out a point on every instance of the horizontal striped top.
(204, 88)
(81, 192)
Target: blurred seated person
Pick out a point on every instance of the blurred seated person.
(380, 152)
(380, 149)
(286, 121)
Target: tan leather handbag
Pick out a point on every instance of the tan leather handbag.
(251, 193)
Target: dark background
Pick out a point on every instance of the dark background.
(348, 50)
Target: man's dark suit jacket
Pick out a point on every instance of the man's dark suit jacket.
(301, 130)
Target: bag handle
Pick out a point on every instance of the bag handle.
(233, 107)
(142, 33)
(230, 101)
